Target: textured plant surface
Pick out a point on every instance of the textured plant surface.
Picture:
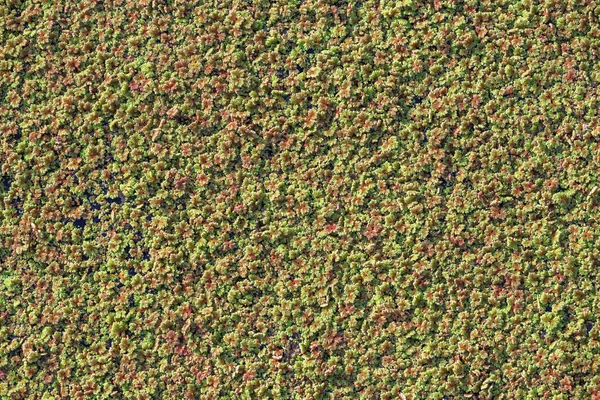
(299, 199)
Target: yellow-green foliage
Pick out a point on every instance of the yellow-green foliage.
(303, 199)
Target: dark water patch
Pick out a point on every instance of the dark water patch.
(282, 73)
(127, 250)
(7, 183)
(115, 200)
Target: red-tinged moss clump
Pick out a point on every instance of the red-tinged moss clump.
(299, 199)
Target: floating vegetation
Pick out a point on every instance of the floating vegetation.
(299, 199)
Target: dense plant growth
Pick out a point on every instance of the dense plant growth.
(299, 199)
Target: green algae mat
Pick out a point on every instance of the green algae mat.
(299, 199)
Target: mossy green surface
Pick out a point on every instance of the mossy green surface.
(299, 199)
